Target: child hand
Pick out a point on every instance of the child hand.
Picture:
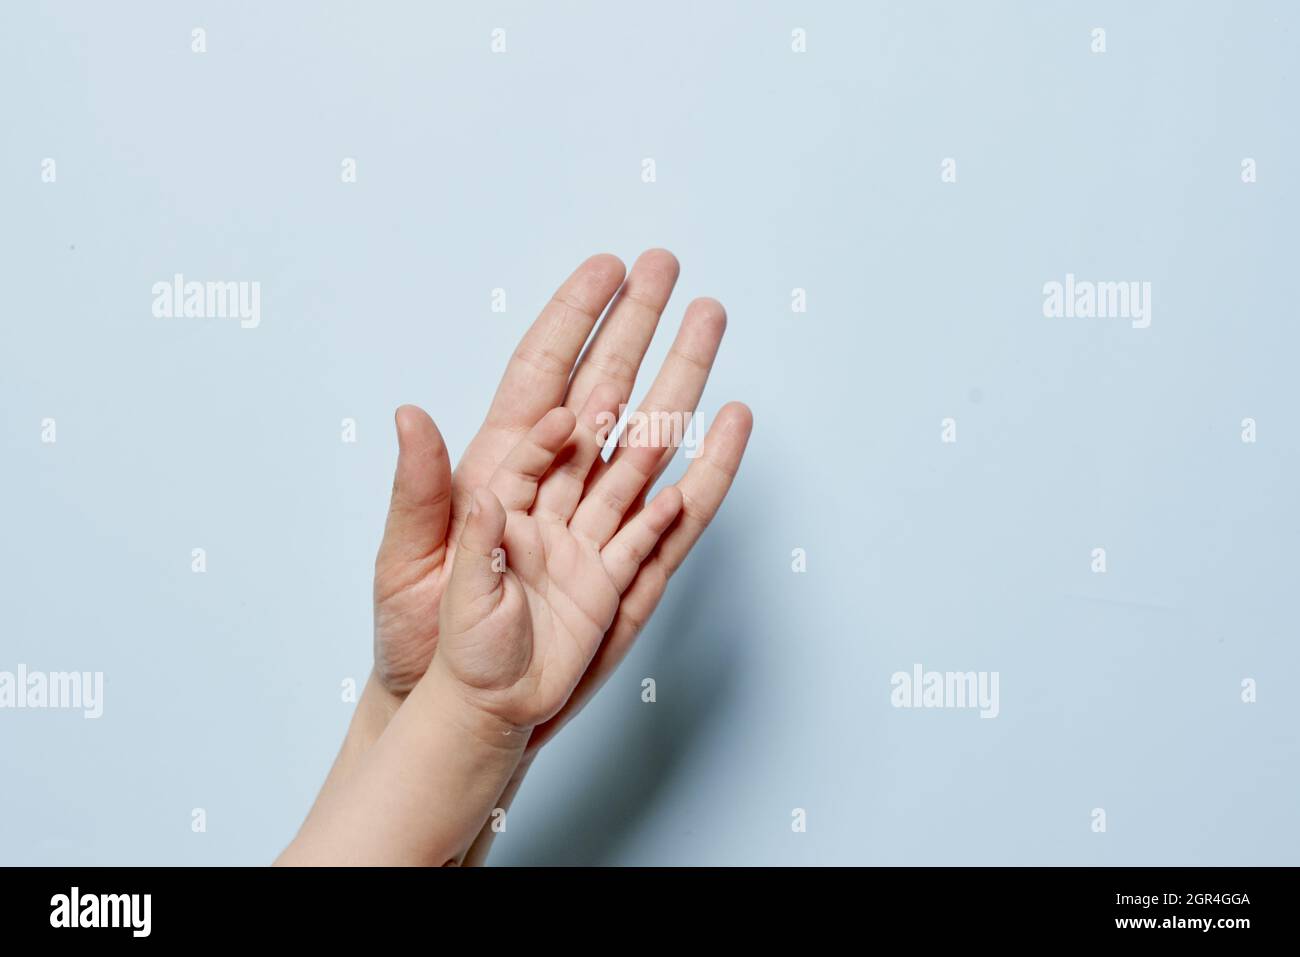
(542, 562)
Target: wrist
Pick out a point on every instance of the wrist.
(460, 709)
(375, 708)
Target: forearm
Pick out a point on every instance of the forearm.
(478, 852)
(422, 792)
(375, 709)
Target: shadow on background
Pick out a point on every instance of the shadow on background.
(696, 637)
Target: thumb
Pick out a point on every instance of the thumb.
(475, 584)
(421, 502)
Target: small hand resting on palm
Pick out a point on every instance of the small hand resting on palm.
(519, 627)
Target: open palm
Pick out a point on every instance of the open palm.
(544, 557)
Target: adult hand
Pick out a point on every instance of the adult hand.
(430, 503)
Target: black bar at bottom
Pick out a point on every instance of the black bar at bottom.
(382, 906)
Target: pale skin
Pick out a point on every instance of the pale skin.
(508, 591)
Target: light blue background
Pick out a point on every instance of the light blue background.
(775, 171)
